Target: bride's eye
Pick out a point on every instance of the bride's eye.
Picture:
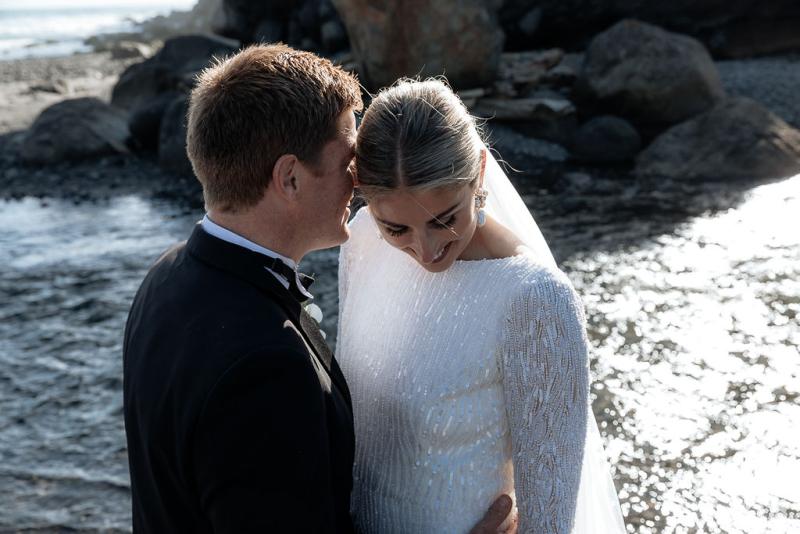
(396, 233)
(446, 224)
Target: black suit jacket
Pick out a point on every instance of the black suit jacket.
(237, 416)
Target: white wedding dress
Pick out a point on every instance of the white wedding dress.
(467, 384)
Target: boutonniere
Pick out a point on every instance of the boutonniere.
(315, 312)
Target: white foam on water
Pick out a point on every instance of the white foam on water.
(47, 28)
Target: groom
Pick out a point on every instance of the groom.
(237, 415)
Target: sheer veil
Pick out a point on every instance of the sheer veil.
(506, 206)
(598, 509)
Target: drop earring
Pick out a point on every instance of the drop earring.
(480, 203)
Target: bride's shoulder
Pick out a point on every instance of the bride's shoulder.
(539, 279)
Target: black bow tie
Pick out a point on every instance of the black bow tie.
(292, 276)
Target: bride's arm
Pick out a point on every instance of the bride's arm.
(546, 385)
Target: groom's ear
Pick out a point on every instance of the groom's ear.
(284, 180)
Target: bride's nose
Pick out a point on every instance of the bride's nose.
(426, 249)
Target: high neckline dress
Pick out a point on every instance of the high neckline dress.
(466, 384)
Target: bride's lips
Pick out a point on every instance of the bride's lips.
(442, 254)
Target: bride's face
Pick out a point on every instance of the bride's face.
(433, 227)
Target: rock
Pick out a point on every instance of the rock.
(548, 118)
(525, 154)
(606, 139)
(560, 76)
(130, 50)
(751, 37)
(59, 86)
(530, 21)
(268, 31)
(504, 89)
(145, 121)
(523, 109)
(649, 76)
(459, 38)
(74, 130)
(521, 20)
(470, 96)
(142, 82)
(333, 36)
(304, 24)
(742, 28)
(172, 138)
(238, 19)
(527, 67)
(230, 22)
(737, 139)
(168, 70)
(772, 82)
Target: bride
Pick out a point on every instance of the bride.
(464, 346)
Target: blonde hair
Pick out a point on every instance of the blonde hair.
(417, 135)
(257, 105)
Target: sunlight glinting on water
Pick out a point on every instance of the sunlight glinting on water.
(697, 335)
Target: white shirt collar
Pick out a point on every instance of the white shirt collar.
(231, 237)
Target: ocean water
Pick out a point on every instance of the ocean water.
(47, 28)
(693, 321)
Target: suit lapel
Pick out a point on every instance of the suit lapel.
(249, 265)
(311, 330)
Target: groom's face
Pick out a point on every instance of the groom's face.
(326, 202)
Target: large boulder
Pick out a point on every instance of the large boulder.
(606, 139)
(738, 139)
(239, 19)
(145, 120)
(459, 38)
(306, 24)
(74, 130)
(172, 138)
(647, 75)
(171, 69)
(738, 28)
(773, 82)
(542, 115)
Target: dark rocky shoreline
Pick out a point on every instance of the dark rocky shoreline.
(533, 122)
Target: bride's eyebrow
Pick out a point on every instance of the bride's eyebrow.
(436, 218)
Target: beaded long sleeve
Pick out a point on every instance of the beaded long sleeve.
(546, 384)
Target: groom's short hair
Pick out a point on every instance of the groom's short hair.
(255, 106)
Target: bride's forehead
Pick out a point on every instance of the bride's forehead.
(404, 203)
